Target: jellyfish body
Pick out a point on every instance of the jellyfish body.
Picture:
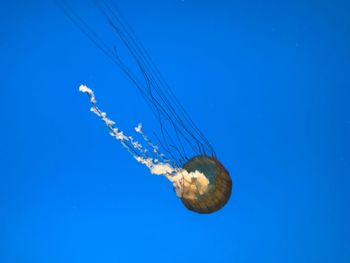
(179, 150)
(219, 188)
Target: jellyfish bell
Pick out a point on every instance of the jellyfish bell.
(218, 190)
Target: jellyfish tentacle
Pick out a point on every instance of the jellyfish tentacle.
(189, 185)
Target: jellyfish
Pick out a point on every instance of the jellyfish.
(179, 151)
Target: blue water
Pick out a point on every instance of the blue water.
(267, 82)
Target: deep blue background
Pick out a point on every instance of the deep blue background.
(267, 82)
